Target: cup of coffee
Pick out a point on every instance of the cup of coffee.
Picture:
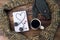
(35, 24)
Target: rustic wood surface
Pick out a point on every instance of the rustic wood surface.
(28, 8)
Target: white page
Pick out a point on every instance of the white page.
(21, 18)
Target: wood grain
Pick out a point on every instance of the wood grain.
(28, 8)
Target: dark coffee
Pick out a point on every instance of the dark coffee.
(35, 23)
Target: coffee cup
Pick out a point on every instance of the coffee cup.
(35, 24)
